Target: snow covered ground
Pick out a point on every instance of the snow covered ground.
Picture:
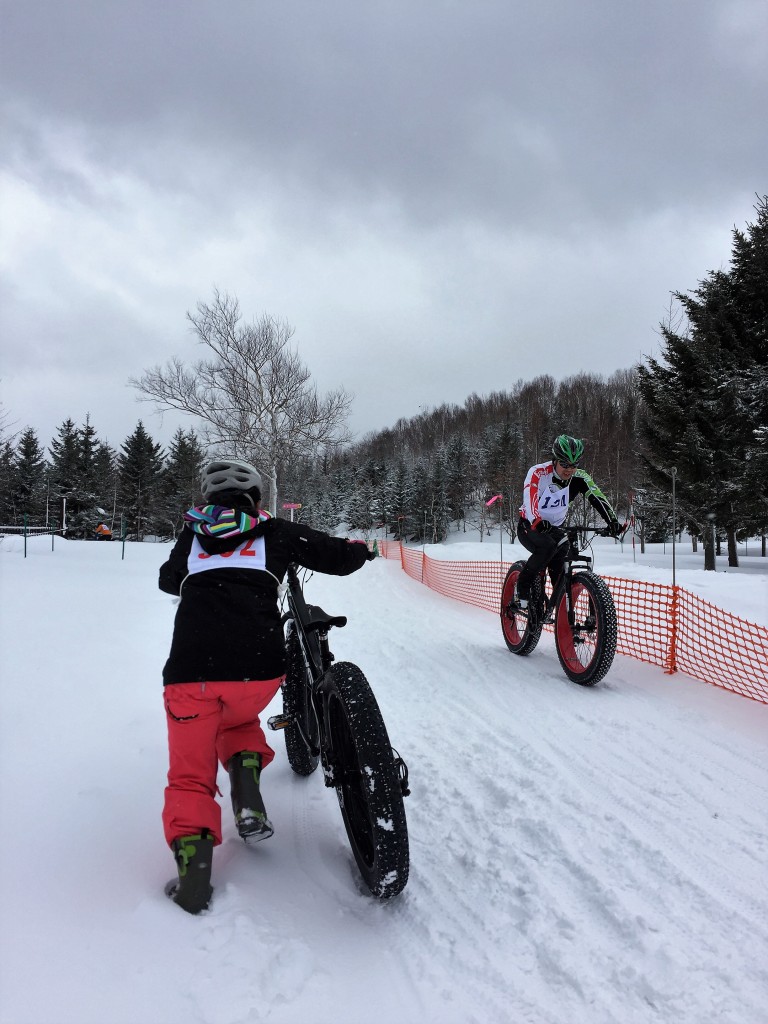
(578, 855)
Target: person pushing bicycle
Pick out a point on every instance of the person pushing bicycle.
(227, 661)
(548, 490)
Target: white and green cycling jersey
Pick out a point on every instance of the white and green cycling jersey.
(546, 496)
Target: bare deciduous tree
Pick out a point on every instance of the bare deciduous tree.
(6, 436)
(254, 398)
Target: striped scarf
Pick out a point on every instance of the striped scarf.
(218, 521)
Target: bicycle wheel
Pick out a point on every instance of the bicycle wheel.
(297, 703)
(587, 648)
(520, 635)
(362, 769)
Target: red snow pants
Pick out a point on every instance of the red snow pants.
(209, 723)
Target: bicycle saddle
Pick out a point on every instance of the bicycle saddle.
(318, 619)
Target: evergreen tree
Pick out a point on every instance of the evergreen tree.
(8, 511)
(398, 488)
(29, 483)
(140, 467)
(65, 458)
(704, 404)
(420, 519)
(324, 513)
(65, 472)
(357, 514)
(679, 431)
(81, 478)
(749, 273)
(107, 481)
(505, 472)
(341, 487)
(88, 480)
(441, 503)
(83, 508)
(458, 475)
(180, 487)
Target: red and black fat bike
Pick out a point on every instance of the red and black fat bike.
(580, 607)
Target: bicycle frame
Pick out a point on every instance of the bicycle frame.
(312, 625)
(574, 557)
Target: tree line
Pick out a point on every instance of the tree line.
(414, 480)
(81, 481)
(695, 421)
(438, 470)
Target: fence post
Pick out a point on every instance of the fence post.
(673, 615)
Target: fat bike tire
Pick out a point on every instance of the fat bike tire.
(520, 635)
(586, 649)
(362, 769)
(297, 703)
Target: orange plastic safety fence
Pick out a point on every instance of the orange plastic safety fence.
(663, 625)
(645, 617)
(721, 648)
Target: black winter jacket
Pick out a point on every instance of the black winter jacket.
(228, 624)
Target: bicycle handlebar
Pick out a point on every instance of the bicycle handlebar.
(573, 532)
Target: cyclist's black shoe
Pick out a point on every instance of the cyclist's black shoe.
(522, 597)
(194, 856)
(250, 813)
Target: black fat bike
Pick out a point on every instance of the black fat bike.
(580, 608)
(331, 717)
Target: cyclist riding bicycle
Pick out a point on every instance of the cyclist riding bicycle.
(548, 490)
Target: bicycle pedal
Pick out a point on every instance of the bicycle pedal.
(277, 722)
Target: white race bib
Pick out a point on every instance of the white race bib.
(251, 554)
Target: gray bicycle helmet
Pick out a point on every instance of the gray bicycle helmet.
(228, 475)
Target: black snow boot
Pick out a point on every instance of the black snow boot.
(250, 814)
(194, 856)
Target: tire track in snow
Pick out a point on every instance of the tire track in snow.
(549, 851)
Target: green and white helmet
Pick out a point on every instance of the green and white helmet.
(567, 450)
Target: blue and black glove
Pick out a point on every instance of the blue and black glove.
(543, 526)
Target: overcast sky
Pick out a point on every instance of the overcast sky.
(440, 197)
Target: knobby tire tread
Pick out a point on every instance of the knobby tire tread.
(517, 641)
(607, 631)
(371, 801)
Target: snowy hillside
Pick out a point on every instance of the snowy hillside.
(577, 855)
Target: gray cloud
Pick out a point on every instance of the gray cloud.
(441, 197)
